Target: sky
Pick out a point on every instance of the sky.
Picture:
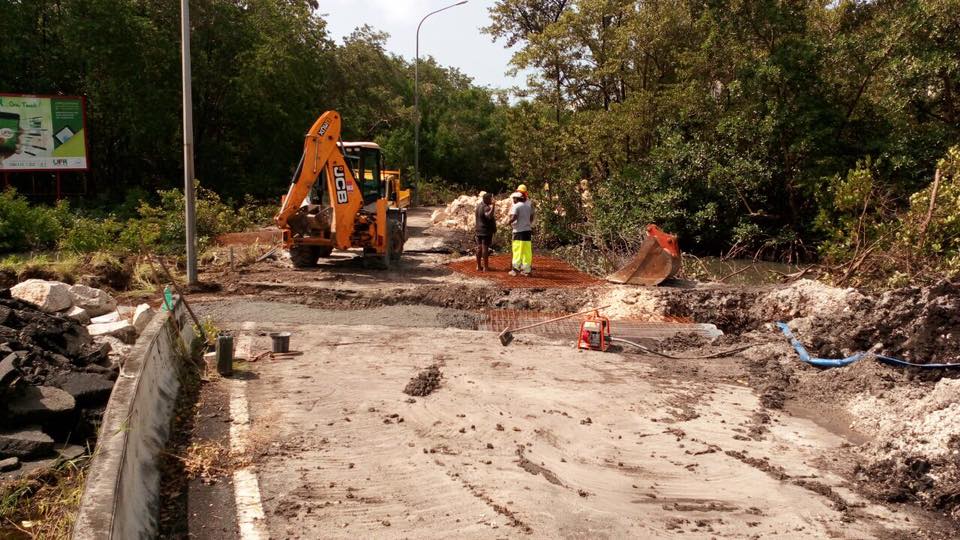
(453, 37)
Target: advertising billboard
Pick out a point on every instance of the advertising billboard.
(42, 133)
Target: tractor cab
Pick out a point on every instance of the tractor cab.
(366, 162)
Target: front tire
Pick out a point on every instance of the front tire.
(396, 237)
(304, 256)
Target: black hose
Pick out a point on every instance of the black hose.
(648, 350)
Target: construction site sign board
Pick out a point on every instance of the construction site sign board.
(42, 133)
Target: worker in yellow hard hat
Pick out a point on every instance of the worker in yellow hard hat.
(521, 220)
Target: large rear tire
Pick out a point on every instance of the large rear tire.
(304, 256)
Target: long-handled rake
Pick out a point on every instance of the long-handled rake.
(506, 337)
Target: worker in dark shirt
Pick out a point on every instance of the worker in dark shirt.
(486, 227)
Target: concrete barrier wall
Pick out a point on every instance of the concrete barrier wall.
(120, 498)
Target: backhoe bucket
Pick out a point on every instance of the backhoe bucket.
(657, 260)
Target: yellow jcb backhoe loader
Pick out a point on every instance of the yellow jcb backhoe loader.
(341, 198)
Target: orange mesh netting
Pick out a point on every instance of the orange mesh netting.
(656, 327)
(547, 272)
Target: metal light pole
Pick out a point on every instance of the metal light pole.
(188, 188)
(416, 104)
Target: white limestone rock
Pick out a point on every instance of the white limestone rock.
(96, 301)
(48, 296)
(122, 330)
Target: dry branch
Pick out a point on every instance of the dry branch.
(933, 203)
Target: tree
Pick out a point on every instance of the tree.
(263, 70)
(728, 120)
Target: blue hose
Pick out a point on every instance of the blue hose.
(840, 362)
(819, 362)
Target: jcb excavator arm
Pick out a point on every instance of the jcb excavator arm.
(322, 152)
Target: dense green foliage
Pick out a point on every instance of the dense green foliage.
(157, 227)
(890, 246)
(24, 227)
(756, 126)
(263, 70)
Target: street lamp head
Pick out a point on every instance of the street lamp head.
(416, 102)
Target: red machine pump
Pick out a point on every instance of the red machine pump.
(594, 333)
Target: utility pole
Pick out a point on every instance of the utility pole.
(416, 105)
(188, 176)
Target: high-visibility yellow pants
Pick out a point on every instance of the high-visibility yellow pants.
(523, 256)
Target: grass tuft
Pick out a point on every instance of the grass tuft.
(45, 504)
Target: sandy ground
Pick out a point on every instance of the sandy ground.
(535, 440)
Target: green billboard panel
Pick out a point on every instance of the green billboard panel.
(42, 133)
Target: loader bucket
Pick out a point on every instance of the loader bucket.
(657, 260)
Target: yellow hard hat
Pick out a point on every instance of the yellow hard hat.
(522, 188)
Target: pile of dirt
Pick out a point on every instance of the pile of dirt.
(425, 382)
(915, 454)
(460, 214)
(115, 274)
(109, 273)
(910, 418)
(919, 324)
(907, 421)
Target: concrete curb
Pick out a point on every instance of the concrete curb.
(122, 490)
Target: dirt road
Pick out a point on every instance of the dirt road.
(535, 440)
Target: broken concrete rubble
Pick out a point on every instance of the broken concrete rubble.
(111, 317)
(122, 330)
(9, 464)
(96, 301)
(8, 373)
(116, 349)
(460, 214)
(88, 389)
(78, 314)
(142, 316)
(54, 379)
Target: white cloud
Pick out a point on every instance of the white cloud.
(394, 11)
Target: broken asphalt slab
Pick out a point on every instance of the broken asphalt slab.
(88, 389)
(39, 404)
(26, 443)
(9, 464)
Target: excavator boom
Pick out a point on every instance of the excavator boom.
(321, 152)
